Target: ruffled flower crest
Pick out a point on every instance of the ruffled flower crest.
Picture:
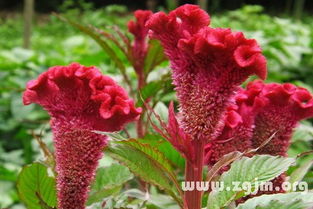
(80, 100)
(262, 111)
(286, 106)
(82, 93)
(208, 65)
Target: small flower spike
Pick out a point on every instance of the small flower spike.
(140, 45)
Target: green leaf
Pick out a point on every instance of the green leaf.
(304, 132)
(36, 188)
(276, 204)
(152, 88)
(294, 200)
(153, 200)
(155, 55)
(255, 170)
(224, 161)
(6, 174)
(166, 148)
(147, 91)
(147, 163)
(300, 172)
(108, 181)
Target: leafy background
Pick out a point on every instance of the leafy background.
(287, 44)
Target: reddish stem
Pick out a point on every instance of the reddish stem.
(139, 126)
(193, 173)
(141, 84)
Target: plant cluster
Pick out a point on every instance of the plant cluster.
(225, 130)
(239, 134)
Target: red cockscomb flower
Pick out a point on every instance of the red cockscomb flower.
(286, 106)
(269, 110)
(79, 100)
(208, 64)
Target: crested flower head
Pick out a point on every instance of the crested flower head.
(179, 23)
(260, 112)
(79, 100)
(208, 65)
(285, 106)
(84, 94)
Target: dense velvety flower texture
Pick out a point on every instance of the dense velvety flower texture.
(80, 100)
(262, 111)
(286, 106)
(208, 65)
(259, 112)
(238, 129)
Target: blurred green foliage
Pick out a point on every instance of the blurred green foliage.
(287, 44)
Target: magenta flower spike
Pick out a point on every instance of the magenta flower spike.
(286, 106)
(262, 111)
(238, 129)
(140, 45)
(239, 126)
(140, 32)
(80, 100)
(267, 109)
(208, 65)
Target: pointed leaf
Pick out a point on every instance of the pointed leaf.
(259, 168)
(165, 147)
(108, 181)
(155, 55)
(224, 161)
(300, 172)
(36, 188)
(148, 90)
(147, 163)
(152, 88)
